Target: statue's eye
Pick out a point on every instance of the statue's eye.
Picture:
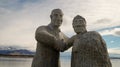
(55, 15)
(60, 15)
(77, 20)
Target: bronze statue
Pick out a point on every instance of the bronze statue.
(89, 49)
(50, 41)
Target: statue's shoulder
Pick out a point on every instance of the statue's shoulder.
(41, 28)
(93, 33)
(74, 37)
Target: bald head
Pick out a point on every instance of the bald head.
(56, 17)
(56, 11)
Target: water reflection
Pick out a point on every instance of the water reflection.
(26, 62)
(15, 62)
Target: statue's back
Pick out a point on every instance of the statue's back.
(87, 51)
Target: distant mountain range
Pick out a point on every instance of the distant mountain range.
(17, 51)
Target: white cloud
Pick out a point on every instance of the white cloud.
(114, 50)
(114, 31)
(111, 41)
(18, 25)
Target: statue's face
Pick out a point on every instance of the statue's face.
(56, 18)
(79, 26)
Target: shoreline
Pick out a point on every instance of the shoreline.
(31, 56)
(17, 56)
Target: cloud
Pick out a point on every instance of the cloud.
(105, 20)
(114, 50)
(104, 23)
(114, 32)
(20, 18)
(118, 32)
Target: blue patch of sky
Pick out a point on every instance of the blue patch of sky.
(112, 41)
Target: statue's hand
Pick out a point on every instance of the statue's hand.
(60, 45)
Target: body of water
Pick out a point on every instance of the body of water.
(26, 62)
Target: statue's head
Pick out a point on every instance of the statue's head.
(56, 17)
(79, 24)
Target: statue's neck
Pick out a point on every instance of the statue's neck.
(81, 33)
(53, 27)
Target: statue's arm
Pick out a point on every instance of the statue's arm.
(102, 49)
(105, 53)
(68, 43)
(42, 36)
(48, 40)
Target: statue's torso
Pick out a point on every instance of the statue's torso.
(47, 56)
(85, 51)
(86, 41)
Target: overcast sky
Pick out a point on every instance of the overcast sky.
(20, 18)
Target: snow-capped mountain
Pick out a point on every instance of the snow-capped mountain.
(15, 50)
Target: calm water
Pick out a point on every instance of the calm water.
(26, 62)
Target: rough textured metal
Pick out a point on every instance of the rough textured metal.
(89, 49)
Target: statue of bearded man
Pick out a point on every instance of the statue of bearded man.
(89, 49)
